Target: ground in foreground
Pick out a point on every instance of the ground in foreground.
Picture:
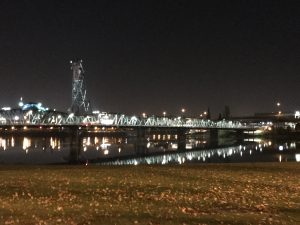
(189, 194)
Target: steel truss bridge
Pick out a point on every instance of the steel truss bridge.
(36, 115)
(51, 117)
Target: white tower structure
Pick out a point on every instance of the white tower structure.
(80, 104)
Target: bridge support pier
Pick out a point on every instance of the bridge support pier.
(140, 146)
(181, 138)
(214, 137)
(75, 145)
(239, 134)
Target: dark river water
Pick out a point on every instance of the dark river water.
(155, 149)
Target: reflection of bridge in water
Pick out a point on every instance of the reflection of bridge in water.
(179, 157)
(122, 150)
(224, 154)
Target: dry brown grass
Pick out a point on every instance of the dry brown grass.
(189, 194)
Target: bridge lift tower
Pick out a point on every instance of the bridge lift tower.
(80, 104)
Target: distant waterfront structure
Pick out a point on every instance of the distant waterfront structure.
(80, 104)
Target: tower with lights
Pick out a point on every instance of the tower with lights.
(80, 104)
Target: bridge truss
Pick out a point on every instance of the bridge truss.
(50, 117)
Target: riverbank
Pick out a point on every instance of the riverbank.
(188, 194)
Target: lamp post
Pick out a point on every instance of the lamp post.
(182, 112)
(278, 106)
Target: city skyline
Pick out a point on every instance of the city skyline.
(153, 56)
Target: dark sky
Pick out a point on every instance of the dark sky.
(151, 56)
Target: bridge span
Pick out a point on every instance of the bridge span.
(51, 117)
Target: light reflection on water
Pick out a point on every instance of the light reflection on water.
(130, 151)
(182, 157)
(251, 152)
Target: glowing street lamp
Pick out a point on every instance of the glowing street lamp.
(278, 105)
(164, 113)
(144, 115)
(183, 110)
(203, 114)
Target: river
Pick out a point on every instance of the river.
(120, 149)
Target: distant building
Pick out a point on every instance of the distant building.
(284, 120)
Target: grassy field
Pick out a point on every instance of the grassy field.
(189, 194)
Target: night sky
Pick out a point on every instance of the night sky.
(153, 56)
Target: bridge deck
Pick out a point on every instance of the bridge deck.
(39, 118)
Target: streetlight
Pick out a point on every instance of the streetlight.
(164, 113)
(203, 114)
(144, 115)
(182, 111)
(278, 105)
